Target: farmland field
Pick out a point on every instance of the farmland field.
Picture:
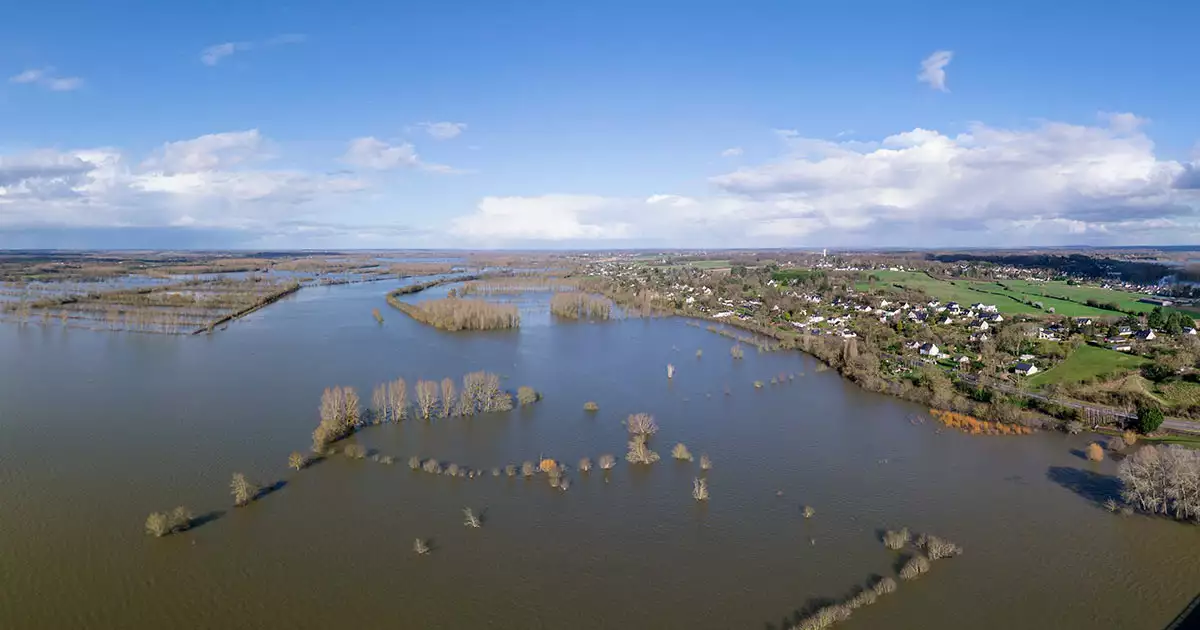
(1010, 295)
(1087, 362)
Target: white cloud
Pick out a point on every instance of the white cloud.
(443, 130)
(46, 78)
(205, 182)
(933, 69)
(1049, 184)
(212, 55)
(732, 152)
(375, 154)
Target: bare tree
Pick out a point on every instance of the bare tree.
(427, 397)
(1163, 480)
(448, 397)
(243, 490)
(641, 424)
(297, 461)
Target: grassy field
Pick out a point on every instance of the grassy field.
(1087, 362)
(1180, 393)
(1010, 296)
(709, 264)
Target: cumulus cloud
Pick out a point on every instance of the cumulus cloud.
(212, 55)
(375, 154)
(46, 77)
(732, 152)
(212, 182)
(442, 130)
(933, 69)
(1045, 184)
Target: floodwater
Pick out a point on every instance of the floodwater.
(99, 429)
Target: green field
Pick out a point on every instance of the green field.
(1010, 295)
(709, 264)
(1087, 362)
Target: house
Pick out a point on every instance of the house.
(1084, 321)
(980, 325)
(1121, 347)
(929, 350)
(1189, 331)
(946, 320)
(912, 345)
(980, 337)
(964, 360)
(1145, 335)
(1026, 369)
(1124, 331)
(1025, 357)
(997, 318)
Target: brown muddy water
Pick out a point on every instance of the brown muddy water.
(99, 429)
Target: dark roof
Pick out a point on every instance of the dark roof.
(1024, 367)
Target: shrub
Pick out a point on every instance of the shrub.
(896, 540)
(884, 586)
(452, 470)
(1095, 452)
(808, 511)
(937, 548)
(527, 395)
(639, 453)
(414, 462)
(585, 464)
(824, 617)
(607, 462)
(864, 597)
(914, 567)
(355, 451)
(591, 406)
(297, 461)
(737, 352)
(681, 452)
(470, 520)
(700, 489)
(421, 547)
(243, 490)
(641, 424)
(160, 524)
(510, 470)
(432, 466)
(1130, 438)
(1149, 419)
(527, 469)
(705, 462)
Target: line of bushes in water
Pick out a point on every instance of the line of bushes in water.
(925, 548)
(576, 305)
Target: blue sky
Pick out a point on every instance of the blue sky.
(606, 124)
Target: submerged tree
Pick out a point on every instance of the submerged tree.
(414, 463)
(527, 395)
(937, 548)
(591, 406)
(681, 452)
(736, 352)
(585, 464)
(470, 520)
(705, 462)
(639, 452)
(448, 397)
(896, 540)
(160, 524)
(1163, 480)
(1095, 452)
(297, 461)
(420, 547)
(427, 398)
(884, 586)
(527, 469)
(607, 462)
(339, 416)
(641, 424)
(700, 489)
(243, 490)
(914, 567)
